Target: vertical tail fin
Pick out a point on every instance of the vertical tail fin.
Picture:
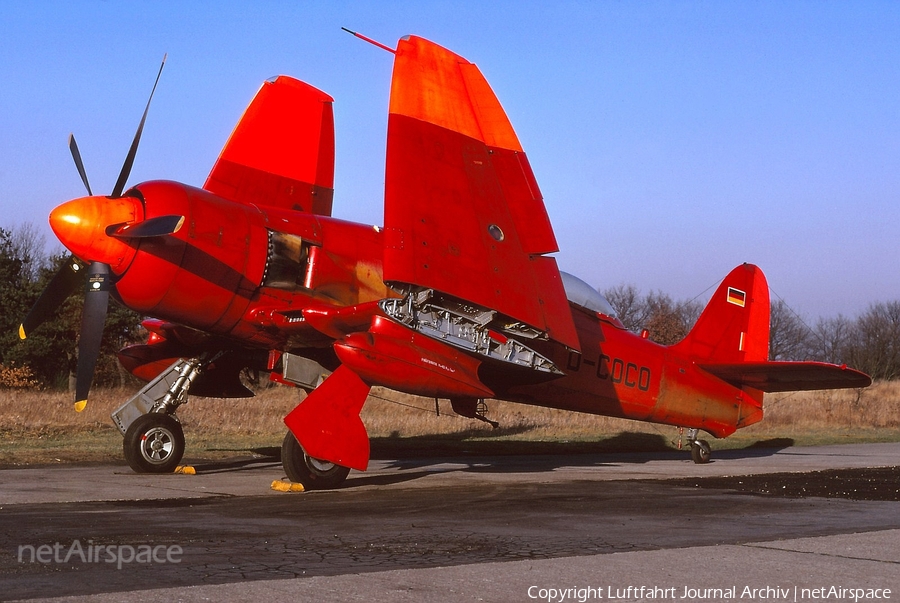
(734, 326)
(731, 342)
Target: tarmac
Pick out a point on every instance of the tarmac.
(777, 550)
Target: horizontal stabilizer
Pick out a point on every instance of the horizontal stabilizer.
(788, 376)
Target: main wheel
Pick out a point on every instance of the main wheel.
(313, 473)
(154, 443)
(700, 451)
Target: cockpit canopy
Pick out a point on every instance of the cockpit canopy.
(583, 295)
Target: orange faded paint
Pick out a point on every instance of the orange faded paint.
(689, 397)
(449, 92)
(81, 225)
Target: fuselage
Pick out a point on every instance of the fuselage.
(247, 274)
(619, 374)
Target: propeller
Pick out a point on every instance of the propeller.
(60, 287)
(99, 274)
(79, 165)
(129, 159)
(93, 318)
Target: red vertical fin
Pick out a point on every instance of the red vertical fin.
(734, 326)
(463, 212)
(281, 152)
(327, 423)
(731, 341)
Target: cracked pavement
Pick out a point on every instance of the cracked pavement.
(451, 518)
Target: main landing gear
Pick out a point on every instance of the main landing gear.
(313, 473)
(154, 439)
(700, 449)
(154, 443)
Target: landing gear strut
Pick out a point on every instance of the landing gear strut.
(313, 473)
(154, 439)
(700, 450)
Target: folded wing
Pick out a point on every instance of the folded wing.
(463, 213)
(281, 153)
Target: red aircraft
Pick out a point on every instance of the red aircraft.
(455, 297)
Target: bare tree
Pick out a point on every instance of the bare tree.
(666, 321)
(875, 348)
(663, 320)
(831, 339)
(789, 337)
(27, 244)
(630, 308)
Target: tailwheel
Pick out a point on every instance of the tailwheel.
(154, 443)
(313, 473)
(700, 451)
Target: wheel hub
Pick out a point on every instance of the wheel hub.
(318, 464)
(158, 445)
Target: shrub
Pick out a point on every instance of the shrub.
(17, 377)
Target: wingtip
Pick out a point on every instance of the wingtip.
(80, 405)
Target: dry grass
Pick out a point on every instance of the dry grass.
(42, 427)
(832, 416)
(877, 406)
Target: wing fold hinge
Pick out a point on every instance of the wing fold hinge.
(469, 327)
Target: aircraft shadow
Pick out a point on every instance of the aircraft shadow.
(456, 453)
(419, 456)
(540, 457)
(758, 449)
(263, 458)
(476, 442)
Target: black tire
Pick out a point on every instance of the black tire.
(154, 443)
(309, 471)
(700, 452)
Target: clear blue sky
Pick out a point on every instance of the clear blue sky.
(671, 140)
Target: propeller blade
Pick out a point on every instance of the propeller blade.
(63, 283)
(154, 227)
(73, 147)
(96, 302)
(129, 160)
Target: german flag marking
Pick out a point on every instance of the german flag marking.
(736, 297)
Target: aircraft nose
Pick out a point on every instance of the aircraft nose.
(81, 225)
